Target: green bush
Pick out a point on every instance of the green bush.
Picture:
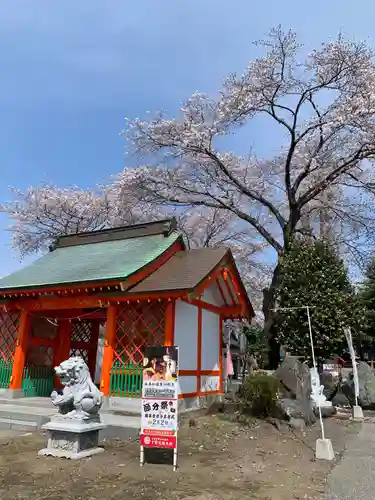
(260, 392)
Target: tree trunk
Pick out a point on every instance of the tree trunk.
(269, 304)
(270, 294)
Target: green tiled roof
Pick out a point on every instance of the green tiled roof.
(90, 263)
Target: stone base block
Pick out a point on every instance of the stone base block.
(357, 413)
(324, 449)
(326, 411)
(49, 452)
(322, 403)
(12, 393)
(72, 439)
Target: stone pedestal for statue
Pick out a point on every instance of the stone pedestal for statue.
(317, 395)
(72, 439)
(74, 432)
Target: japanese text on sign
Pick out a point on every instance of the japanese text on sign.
(159, 415)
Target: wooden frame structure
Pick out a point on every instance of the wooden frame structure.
(55, 321)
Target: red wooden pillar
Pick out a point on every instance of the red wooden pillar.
(109, 343)
(169, 323)
(62, 346)
(64, 334)
(21, 350)
(93, 349)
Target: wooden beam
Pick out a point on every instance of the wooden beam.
(94, 315)
(195, 394)
(169, 323)
(87, 302)
(62, 314)
(46, 304)
(193, 373)
(61, 290)
(226, 311)
(109, 341)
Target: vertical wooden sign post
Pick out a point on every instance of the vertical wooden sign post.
(159, 416)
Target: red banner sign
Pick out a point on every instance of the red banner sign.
(150, 441)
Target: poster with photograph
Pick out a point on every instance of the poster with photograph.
(159, 415)
(160, 363)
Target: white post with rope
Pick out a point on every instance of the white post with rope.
(357, 410)
(323, 446)
(324, 449)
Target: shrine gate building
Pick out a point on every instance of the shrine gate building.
(137, 285)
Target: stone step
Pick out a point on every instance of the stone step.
(27, 409)
(29, 414)
(120, 427)
(18, 425)
(34, 402)
(26, 414)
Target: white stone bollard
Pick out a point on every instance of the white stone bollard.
(357, 413)
(324, 449)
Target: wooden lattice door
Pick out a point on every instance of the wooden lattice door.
(8, 337)
(38, 374)
(84, 342)
(138, 325)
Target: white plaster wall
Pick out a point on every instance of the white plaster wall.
(210, 340)
(209, 384)
(212, 295)
(187, 385)
(224, 290)
(185, 335)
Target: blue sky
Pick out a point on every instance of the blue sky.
(71, 71)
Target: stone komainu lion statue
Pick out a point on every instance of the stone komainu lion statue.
(80, 398)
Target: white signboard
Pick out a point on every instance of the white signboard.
(159, 414)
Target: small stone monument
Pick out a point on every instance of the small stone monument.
(317, 390)
(74, 431)
(295, 390)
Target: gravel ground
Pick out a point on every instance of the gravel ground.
(218, 459)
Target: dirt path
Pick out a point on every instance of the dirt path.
(218, 460)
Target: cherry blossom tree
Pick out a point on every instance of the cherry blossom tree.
(324, 105)
(320, 182)
(39, 215)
